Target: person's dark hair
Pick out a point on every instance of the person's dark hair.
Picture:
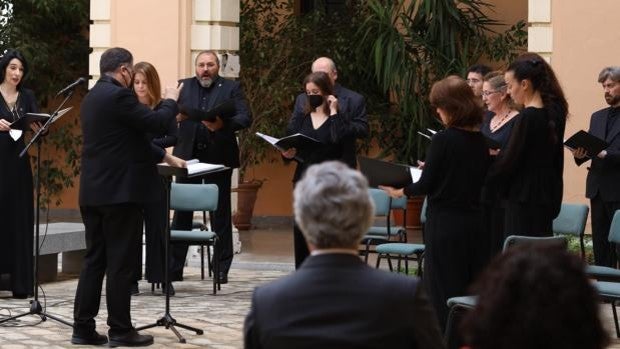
(532, 67)
(208, 52)
(6, 59)
(322, 81)
(536, 297)
(480, 69)
(113, 58)
(457, 99)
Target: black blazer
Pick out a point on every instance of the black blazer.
(337, 301)
(352, 108)
(117, 159)
(603, 174)
(224, 139)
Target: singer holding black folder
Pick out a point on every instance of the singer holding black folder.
(454, 171)
(16, 193)
(213, 141)
(322, 122)
(529, 171)
(602, 183)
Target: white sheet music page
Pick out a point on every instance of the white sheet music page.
(193, 166)
(416, 173)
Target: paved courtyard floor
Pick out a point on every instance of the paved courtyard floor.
(266, 255)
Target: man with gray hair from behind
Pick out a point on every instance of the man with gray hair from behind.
(335, 300)
(602, 187)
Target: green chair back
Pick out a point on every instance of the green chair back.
(381, 201)
(571, 220)
(423, 211)
(515, 240)
(614, 229)
(193, 197)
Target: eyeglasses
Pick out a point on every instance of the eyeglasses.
(488, 93)
(473, 81)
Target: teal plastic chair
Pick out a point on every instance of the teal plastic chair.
(517, 240)
(382, 204)
(404, 251)
(572, 221)
(196, 197)
(602, 273)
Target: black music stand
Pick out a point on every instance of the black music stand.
(167, 320)
(35, 305)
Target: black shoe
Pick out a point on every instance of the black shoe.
(92, 339)
(222, 278)
(169, 288)
(130, 339)
(134, 290)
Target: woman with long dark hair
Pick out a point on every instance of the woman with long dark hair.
(529, 170)
(16, 193)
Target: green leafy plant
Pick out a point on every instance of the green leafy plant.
(411, 44)
(53, 36)
(277, 48)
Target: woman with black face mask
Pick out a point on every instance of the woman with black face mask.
(321, 122)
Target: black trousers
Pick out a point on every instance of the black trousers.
(220, 221)
(602, 214)
(113, 235)
(155, 225)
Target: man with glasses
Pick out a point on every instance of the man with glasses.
(602, 186)
(117, 175)
(211, 141)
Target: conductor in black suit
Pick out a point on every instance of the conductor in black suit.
(602, 183)
(117, 177)
(335, 300)
(211, 141)
(351, 107)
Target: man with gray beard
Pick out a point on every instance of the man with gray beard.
(212, 140)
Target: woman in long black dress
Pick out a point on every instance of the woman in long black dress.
(323, 123)
(496, 125)
(454, 171)
(147, 87)
(16, 194)
(530, 168)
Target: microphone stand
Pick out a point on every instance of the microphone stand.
(35, 305)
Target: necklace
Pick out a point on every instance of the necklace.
(10, 100)
(499, 123)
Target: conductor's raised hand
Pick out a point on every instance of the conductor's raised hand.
(173, 92)
(290, 153)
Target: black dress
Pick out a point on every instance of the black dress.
(454, 172)
(16, 203)
(492, 206)
(330, 134)
(529, 173)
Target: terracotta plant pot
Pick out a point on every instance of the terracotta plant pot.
(246, 198)
(414, 208)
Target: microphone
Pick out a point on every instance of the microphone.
(71, 87)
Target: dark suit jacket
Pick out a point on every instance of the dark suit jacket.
(117, 159)
(337, 301)
(224, 139)
(351, 107)
(604, 174)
